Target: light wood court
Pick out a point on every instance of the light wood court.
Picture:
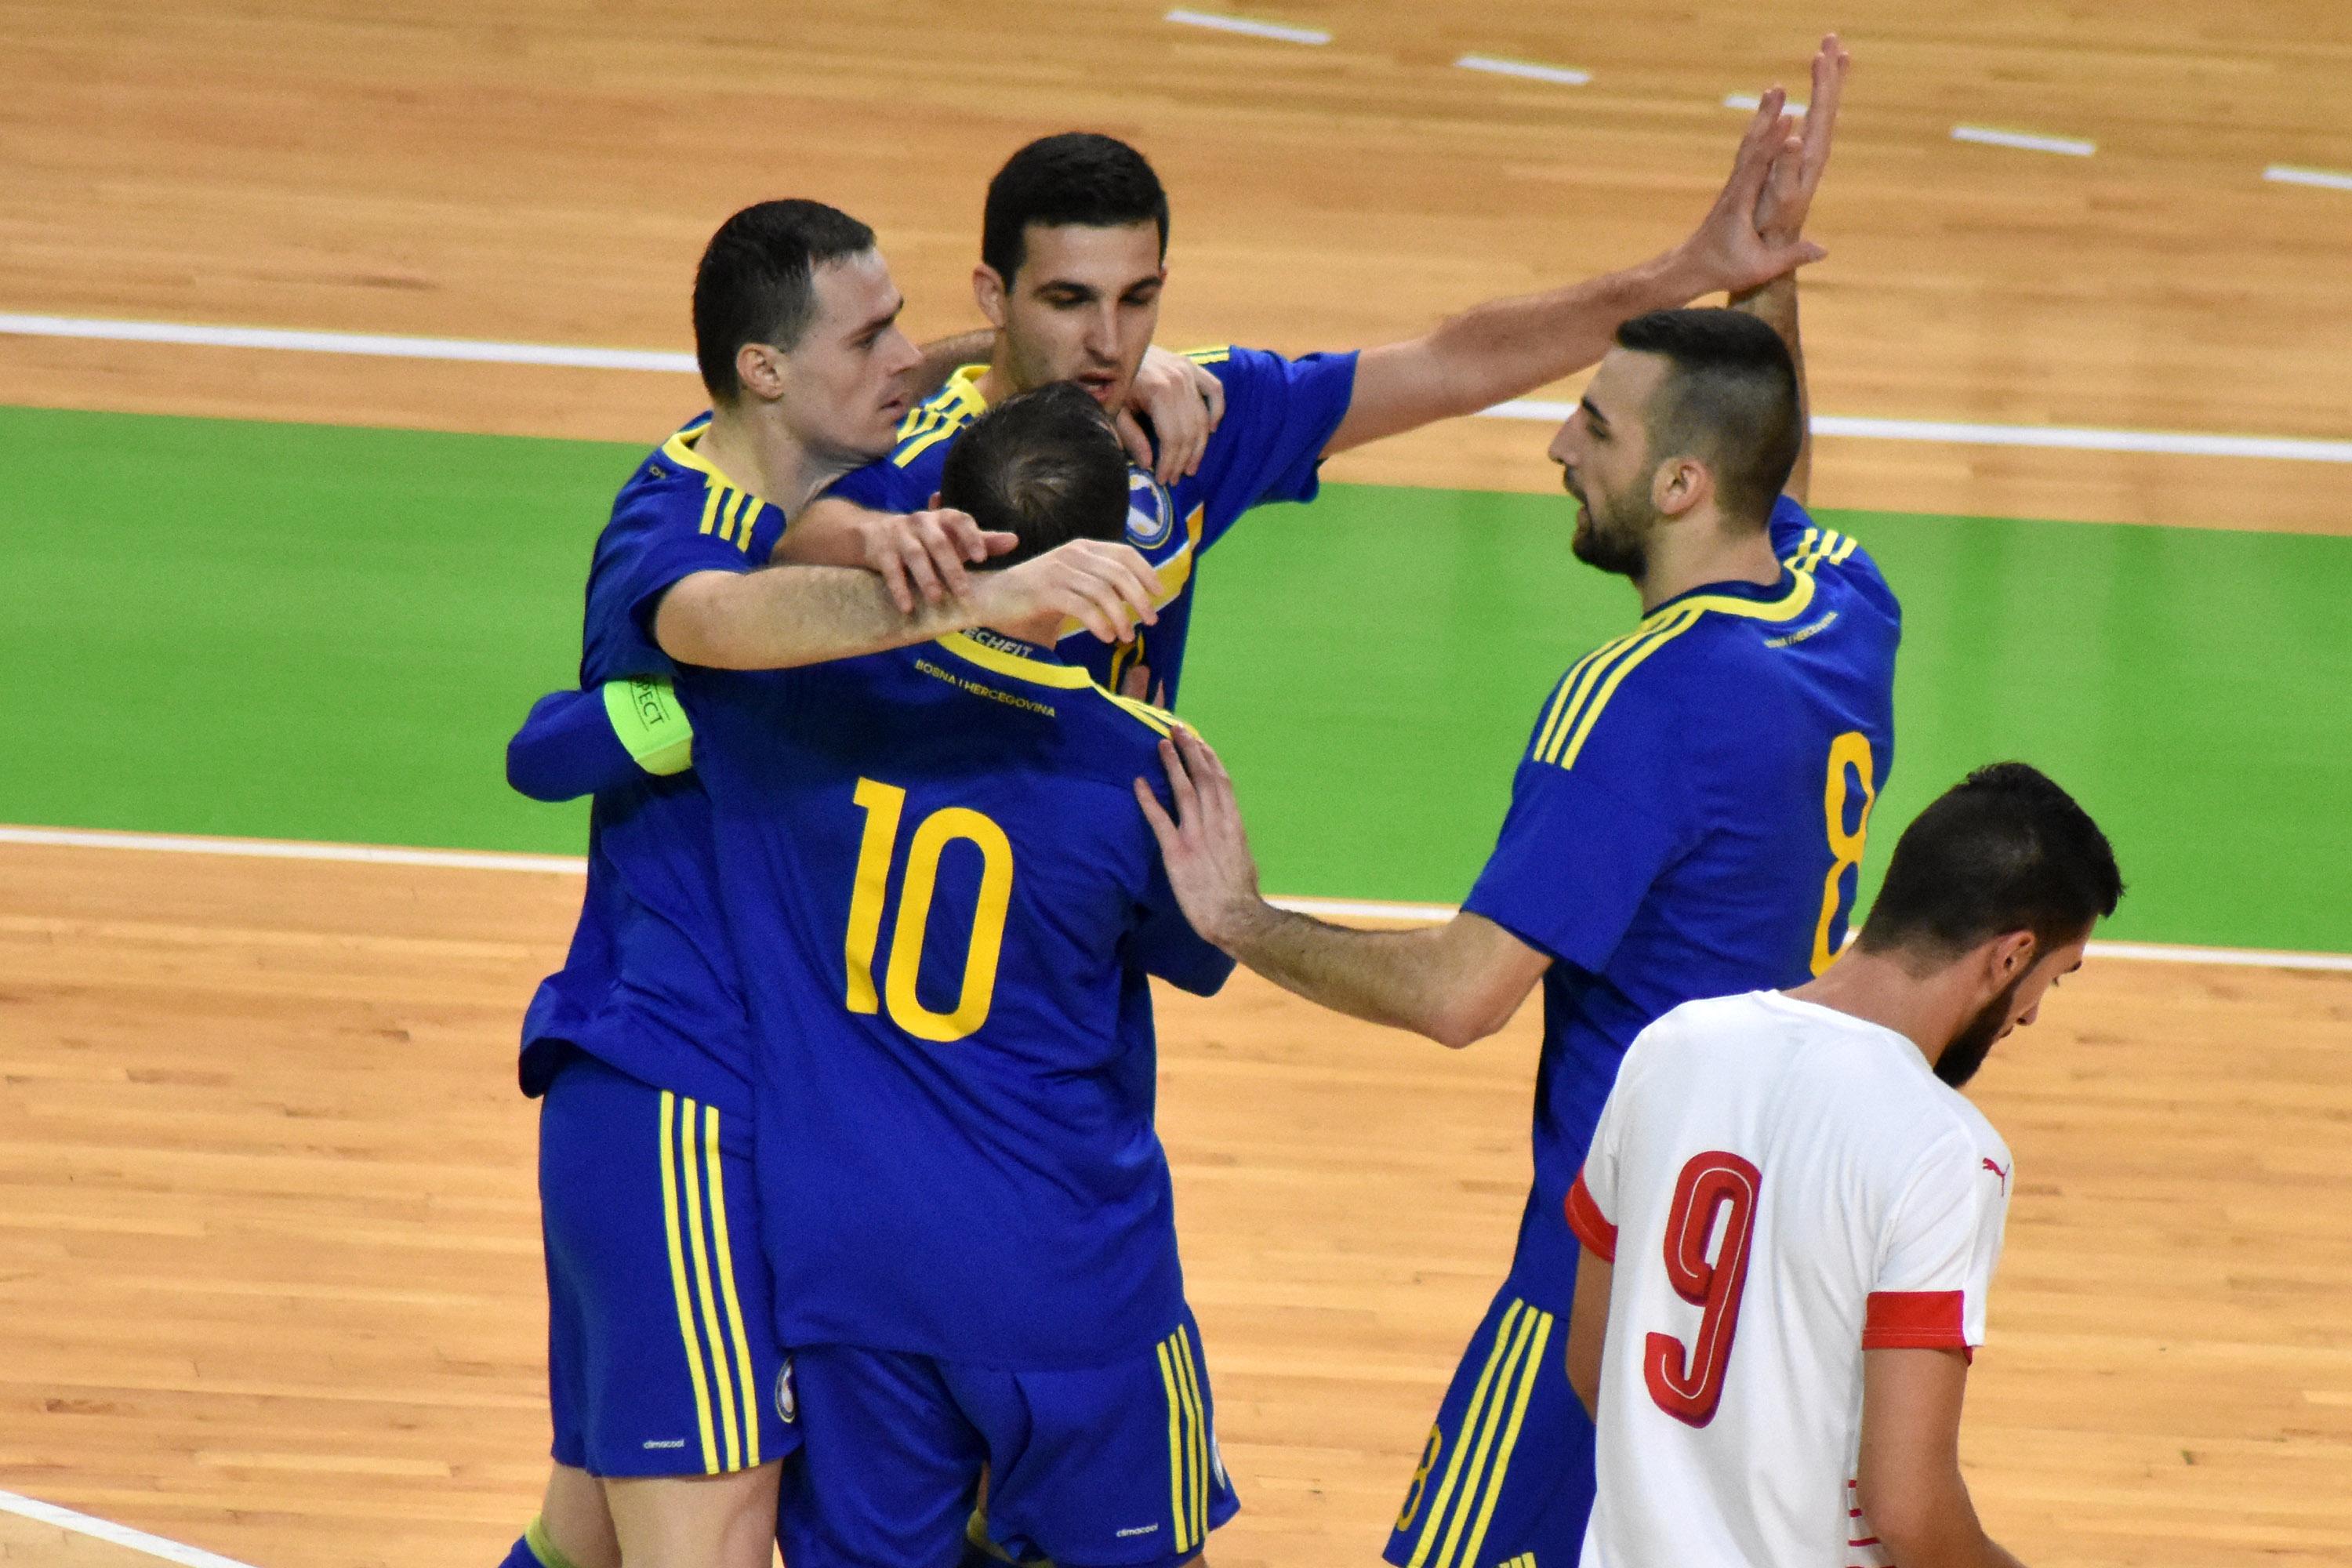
(536, 171)
(269, 1278)
(268, 1257)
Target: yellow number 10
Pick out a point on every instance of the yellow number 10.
(1851, 750)
(869, 892)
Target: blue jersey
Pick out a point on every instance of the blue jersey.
(945, 900)
(650, 985)
(1689, 822)
(1279, 415)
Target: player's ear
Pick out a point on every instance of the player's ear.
(2013, 954)
(760, 368)
(1678, 484)
(988, 292)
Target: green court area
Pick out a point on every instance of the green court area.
(307, 632)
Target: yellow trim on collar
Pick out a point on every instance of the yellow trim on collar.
(1036, 671)
(1785, 608)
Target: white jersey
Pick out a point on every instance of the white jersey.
(1781, 1186)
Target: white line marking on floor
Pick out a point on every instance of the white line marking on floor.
(1748, 103)
(296, 849)
(378, 344)
(2292, 448)
(1986, 136)
(568, 865)
(104, 1530)
(1256, 29)
(1495, 67)
(2289, 449)
(2326, 179)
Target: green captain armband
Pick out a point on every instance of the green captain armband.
(651, 726)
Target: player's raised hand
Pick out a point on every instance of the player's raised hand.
(1787, 195)
(1185, 403)
(1725, 252)
(1106, 587)
(1204, 846)
(921, 556)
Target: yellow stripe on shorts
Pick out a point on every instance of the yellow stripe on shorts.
(730, 1419)
(1178, 1451)
(1480, 1477)
(1529, 1368)
(1188, 1379)
(746, 1389)
(1478, 1395)
(678, 1279)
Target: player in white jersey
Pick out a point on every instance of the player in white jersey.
(1790, 1216)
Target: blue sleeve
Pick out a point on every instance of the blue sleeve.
(1790, 524)
(567, 749)
(1279, 415)
(1582, 843)
(1803, 544)
(1162, 942)
(647, 547)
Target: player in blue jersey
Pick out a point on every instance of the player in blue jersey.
(947, 909)
(1687, 821)
(1073, 259)
(662, 1363)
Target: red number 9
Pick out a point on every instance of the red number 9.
(1687, 1383)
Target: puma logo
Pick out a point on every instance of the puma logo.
(1997, 1171)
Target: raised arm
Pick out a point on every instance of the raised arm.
(1909, 1479)
(1507, 348)
(1780, 215)
(942, 357)
(1457, 983)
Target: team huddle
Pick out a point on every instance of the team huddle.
(860, 1240)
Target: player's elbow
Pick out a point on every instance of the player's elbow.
(1918, 1519)
(1464, 1017)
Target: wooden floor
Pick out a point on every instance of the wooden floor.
(540, 171)
(269, 1275)
(269, 1270)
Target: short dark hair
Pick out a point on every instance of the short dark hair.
(755, 283)
(1045, 465)
(1730, 400)
(1078, 177)
(2005, 850)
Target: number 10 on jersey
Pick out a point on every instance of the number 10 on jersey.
(878, 847)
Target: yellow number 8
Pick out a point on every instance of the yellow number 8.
(1851, 750)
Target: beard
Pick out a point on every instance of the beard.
(1612, 535)
(1973, 1043)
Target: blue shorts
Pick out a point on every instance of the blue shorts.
(1508, 1471)
(661, 1353)
(1113, 1467)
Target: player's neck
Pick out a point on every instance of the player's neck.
(754, 448)
(1880, 990)
(1697, 551)
(995, 384)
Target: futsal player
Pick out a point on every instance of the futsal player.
(662, 1365)
(1687, 820)
(1074, 246)
(946, 907)
(1790, 1215)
